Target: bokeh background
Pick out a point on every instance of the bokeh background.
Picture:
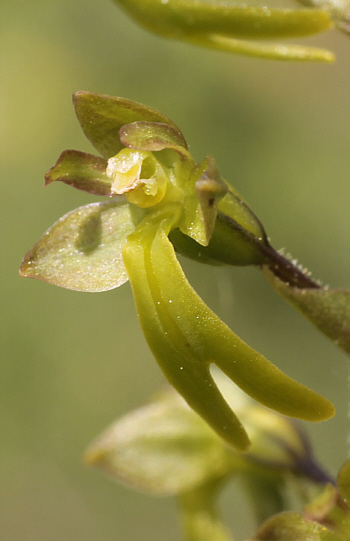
(71, 362)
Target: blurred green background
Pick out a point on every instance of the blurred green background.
(71, 362)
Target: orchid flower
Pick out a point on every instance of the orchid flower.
(161, 202)
(234, 27)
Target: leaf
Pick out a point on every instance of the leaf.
(101, 118)
(185, 337)
(161, 448)
(80, 170)
(327, 309)
(83, 250)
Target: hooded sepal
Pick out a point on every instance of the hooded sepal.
(101, 118)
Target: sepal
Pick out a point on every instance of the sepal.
(101, 118)
(83, 250)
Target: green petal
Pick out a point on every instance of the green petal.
(82, 251)
(238, 237)
(228, 246)
(153, 136)
(215, 343)
(338, 9)
(272, 51)
(203, 192)
(327, 309)
(101, 118)
(186, 337)
(226, 26)
(176, 356)
(179, 18)
(80, 170)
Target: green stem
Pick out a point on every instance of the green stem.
(279, 265)
(199, 516)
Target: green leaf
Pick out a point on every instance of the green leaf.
(185, 336)
(83, 250)
(161, 448)
(327, 309)
(101, 118)
(80, 170)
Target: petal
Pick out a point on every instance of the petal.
(272, 51)
(238, 237)
(153, 136)
(81, 170)
(213, 342)
(101, 118)
(82, 251)
(204, 190)
(185, 18)
(177, 358)
(226, 26)
(185, 336)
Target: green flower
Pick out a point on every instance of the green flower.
(326, 518)
(160, 198)
(164, 448)
(236, 28)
